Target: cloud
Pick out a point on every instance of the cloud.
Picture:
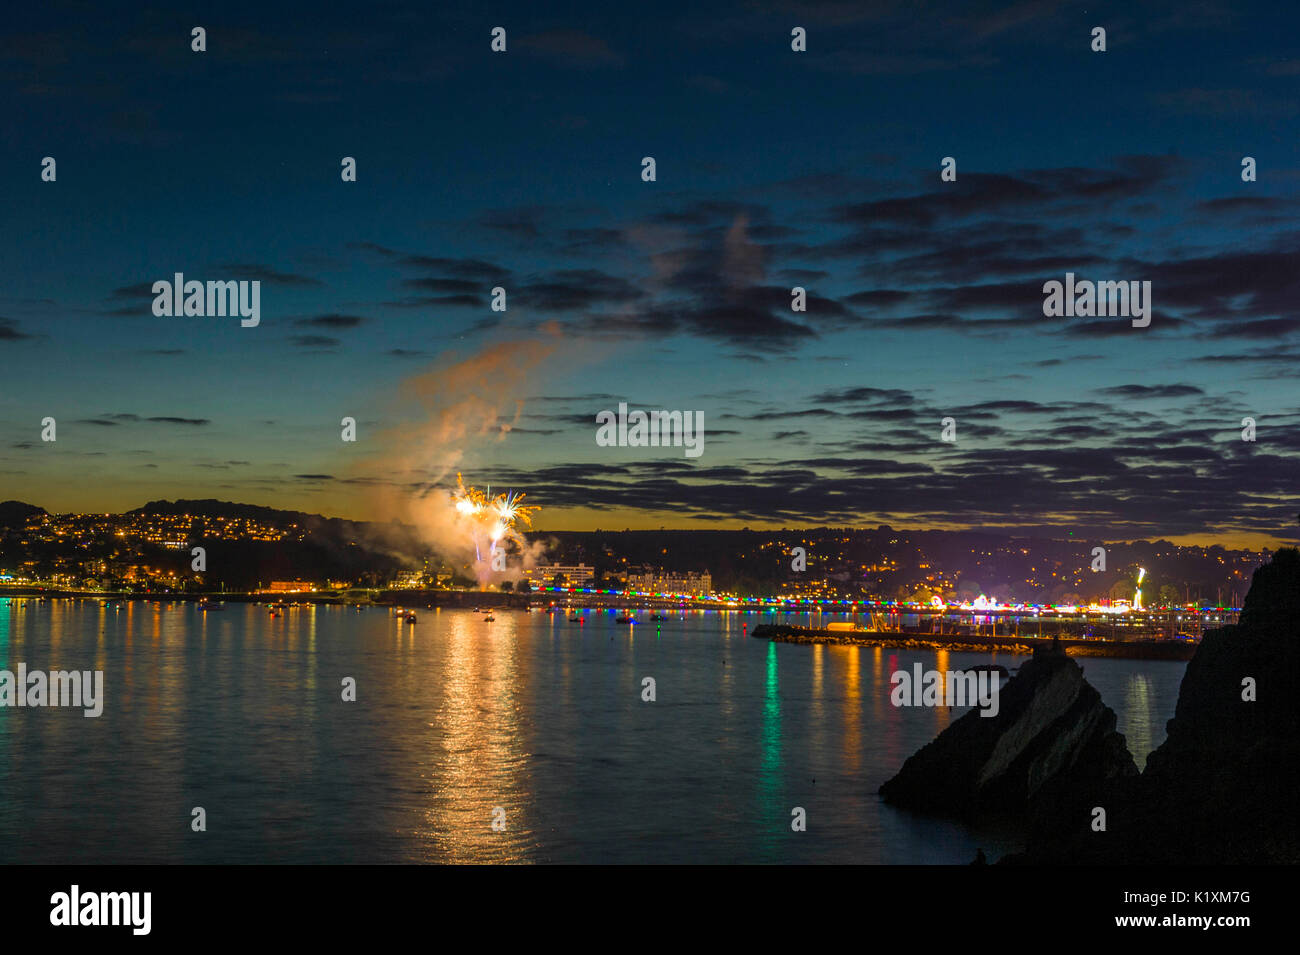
(269, 276)
(447, 285)
(1151, 391)
(455, 267)
(113, 420)
(332, 321)
(861, 394)
(10, 332)
(569, 290)
(1268, 329)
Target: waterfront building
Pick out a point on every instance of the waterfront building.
(660, 581)
(290, 587)
(569, 575)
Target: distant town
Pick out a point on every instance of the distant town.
(250, 549)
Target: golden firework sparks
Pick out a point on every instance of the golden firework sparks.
(493, 518)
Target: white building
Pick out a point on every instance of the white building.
(572, 575)
(668, 582)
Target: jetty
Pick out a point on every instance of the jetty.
(973, 643)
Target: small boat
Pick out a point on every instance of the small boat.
(575, 620)
(489, 618)
(211, 605)
(410, 618)
(624, 619)
(658, 616)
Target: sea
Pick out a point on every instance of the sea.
(330, 734)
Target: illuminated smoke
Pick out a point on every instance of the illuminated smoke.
(447, 412)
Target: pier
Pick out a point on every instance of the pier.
(1136, 649)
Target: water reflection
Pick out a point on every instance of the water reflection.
(242, 713)
(942, 715)
(852, 661)
(769, 776)
(1135, 722)
(476, 749)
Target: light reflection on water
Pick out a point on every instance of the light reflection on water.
(241, 713)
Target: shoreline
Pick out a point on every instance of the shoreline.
(387, 598)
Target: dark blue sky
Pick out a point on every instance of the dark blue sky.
(775, 169)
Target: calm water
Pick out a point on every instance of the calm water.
(242, 714)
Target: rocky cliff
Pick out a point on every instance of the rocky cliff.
(1223, 786)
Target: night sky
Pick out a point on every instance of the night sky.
(774, 169)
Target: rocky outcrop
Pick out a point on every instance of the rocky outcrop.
(1223, 786)
(1052, 735)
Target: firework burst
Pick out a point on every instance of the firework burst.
(492, 520)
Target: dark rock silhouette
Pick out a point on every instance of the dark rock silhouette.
(1052, 734)
(1223, 786)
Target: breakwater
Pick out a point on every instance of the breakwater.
(1128, 649)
